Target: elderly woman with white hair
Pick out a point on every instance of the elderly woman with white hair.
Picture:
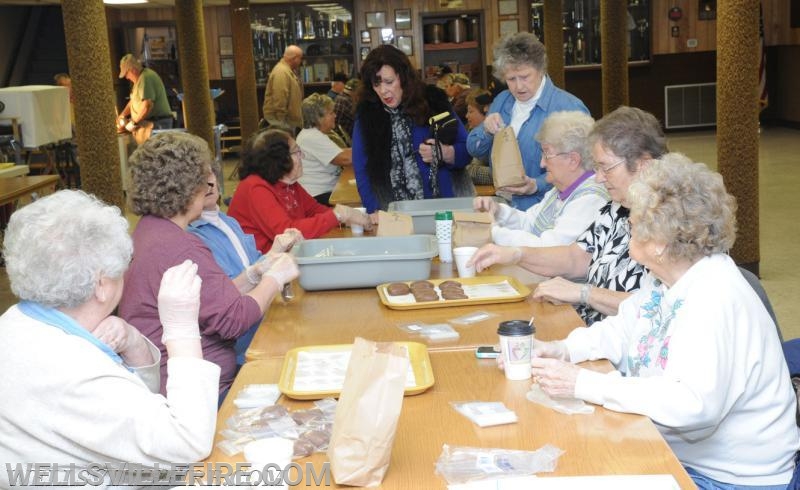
(322, 158)
(520, 61)
(79, 384)
(694, 349)
(571, 205)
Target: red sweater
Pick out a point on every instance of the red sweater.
(265, 210)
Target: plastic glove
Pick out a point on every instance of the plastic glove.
(553, 350)
(556, 378)
(485, 203)
(348, 216)
(286, 240)
(283, 269)
(491, 254)
(558, 291)
(130, 126)
(179, 302)
(526, 189)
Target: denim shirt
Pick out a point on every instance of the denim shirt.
(553, 99)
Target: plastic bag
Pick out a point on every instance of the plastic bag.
(569, 406)
(463, 464)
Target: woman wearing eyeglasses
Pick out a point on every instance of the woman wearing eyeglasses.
(170, 175)
(595, 273)
(269, 200)
(571, 205)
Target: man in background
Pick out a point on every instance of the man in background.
(343, 107)
(148, 106)
(284, 93)
(337, 85)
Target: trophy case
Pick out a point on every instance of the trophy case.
(580, 23)
(323, 30)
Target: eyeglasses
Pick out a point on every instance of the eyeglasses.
(297, 151)
(550, 157)
(599, 168)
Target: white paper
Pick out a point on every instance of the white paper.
(325, 371)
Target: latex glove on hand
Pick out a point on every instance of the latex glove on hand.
(486, 204)
(130, 126)
(179, 302)
(491, 254)
(493, 123)
(556, 378)
(348, 216)
(285, 241)
(283, 269)
(526, 189)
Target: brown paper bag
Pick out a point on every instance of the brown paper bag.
(142, 132)
(366, 415)
(394, 224)
(471, 229)
(507, 169)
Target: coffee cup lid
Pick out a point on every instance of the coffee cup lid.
(515, 328)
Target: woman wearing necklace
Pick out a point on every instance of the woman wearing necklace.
(694, 349)
(79, 384)
(394, 157)
(269, 199)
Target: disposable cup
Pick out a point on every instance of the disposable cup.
(461, 256)
(358, 229)
(516, 342)
(272, 455)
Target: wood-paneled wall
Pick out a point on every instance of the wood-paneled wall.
(217, 23)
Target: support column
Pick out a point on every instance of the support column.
(554, 42)
(614, 54)
(89, 67)
(737, 119)
(245, 67)
(197, 105)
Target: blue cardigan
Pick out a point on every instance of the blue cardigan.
(553, 99)
(229, 261)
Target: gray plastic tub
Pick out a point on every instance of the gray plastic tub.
(423, 212)
(363, 262)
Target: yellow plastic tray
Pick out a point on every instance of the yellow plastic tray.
(522, 293)
(417, 353)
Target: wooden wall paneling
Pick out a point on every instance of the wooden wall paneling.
(212, 34)
(777, 27)
(704, 31)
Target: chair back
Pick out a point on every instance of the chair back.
(755, 283)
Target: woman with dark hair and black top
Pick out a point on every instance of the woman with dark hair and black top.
(269, 199)
(394, 155)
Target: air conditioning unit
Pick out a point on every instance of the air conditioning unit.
(690, 106)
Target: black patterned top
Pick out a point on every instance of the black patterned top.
(611, 267)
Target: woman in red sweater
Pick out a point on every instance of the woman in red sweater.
(269, 200)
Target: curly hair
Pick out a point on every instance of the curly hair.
(314, 107)
(630, 133)
(521, 48)
(414, 102)
(568, 131)
(685, 205)
(57, 247)
(266, 154)
(167, 172)
(480, 99)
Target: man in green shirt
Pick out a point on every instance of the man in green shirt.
(148, 101)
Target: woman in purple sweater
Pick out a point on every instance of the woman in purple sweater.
(170, 178)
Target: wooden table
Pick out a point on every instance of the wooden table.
(23, 189)
(602, 443)
(345, 192)
(337, 317)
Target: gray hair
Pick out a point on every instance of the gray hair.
(521, 48)
(58, 247)
(568, 131)
(630, 133)
(167, 171)
(685, 205)
(314, 108)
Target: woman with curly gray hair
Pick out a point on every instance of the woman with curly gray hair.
(698, 352)
(520, 61)
(322, 158)
(170, 179)
(571, 205)
(63, 352)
